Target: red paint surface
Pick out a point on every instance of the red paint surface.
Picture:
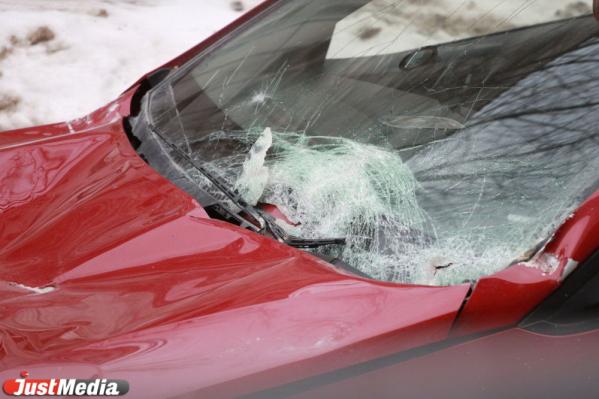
(149, 289)
(16, 137)
(503, 299)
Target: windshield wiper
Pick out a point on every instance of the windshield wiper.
(261, 221)
(258, 224)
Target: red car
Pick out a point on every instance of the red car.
(324, 199)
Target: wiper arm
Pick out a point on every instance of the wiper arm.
(232, 195)
(264, 221)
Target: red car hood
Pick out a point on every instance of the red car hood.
(110, 270)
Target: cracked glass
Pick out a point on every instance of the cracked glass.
(444, 140)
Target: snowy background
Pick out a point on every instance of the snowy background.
(61, 59)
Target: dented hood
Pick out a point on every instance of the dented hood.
(109, 269)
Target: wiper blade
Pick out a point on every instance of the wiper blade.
(313, 243)
(298, 242)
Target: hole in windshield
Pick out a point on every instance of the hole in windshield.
(441, 148)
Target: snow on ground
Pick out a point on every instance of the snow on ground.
(61, 59)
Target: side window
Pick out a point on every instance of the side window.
(572, 308)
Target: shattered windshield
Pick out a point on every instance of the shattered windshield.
(442, 139)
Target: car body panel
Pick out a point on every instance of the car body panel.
(503, 299)
(124, 259)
